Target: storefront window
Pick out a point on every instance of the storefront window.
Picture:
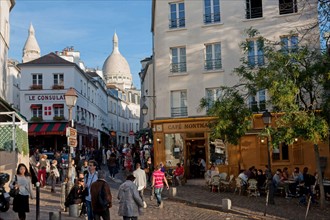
(174, 149)
(217, 152)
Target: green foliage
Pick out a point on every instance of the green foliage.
(234, 118)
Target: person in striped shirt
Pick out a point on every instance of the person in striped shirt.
(158, 179)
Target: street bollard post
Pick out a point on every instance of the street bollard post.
(37, 200)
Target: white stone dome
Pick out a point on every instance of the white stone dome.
(116, 70)
(31, 48)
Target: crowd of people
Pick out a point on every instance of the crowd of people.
(90, 190)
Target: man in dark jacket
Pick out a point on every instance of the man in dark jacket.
(101, 197)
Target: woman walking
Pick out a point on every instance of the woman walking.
(22, 180)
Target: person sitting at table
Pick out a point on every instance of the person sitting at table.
(178, 174)
(208, 173)
(261, 180)
(285, 174)
(279, 181)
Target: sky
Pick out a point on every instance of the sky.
(88, 26)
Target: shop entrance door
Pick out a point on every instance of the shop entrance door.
(195, 149)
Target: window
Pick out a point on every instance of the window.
(289, 44)
(253, 9)
(36, 79)
(254, 99)
(177, 15)
(287, 6)
(59, 79)
(174, 149)
(178, 59)
(36, 111)
(213, 57)
(212, 95)
(212, 11)
(281, 153)
(217, 152)
(256, 53)
(179, 103)
(58, 110)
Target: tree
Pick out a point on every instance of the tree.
(295, 80)
(234, 116)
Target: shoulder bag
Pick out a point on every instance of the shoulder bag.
(14, 191)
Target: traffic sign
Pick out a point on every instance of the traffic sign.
(71, 132)
(72, 142)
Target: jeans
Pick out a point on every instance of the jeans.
(158, 194)
(89, 210)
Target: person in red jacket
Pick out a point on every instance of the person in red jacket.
(178, 174)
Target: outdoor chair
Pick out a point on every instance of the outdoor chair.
(226, 185)
(252, 188)
(238, 185)
(215, 183)
(223, 176)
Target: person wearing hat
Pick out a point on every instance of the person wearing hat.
(129, 199)
(101, 197)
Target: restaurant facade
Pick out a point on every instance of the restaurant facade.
(186, 140)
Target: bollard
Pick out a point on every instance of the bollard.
(173, 191)
(63, 196)
(74, 210)
(37, 200)
(226, 204)
(55, 216)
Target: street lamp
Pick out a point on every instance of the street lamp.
(144, 109)
(70, 100)
(267, 120)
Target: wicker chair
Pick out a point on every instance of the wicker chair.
(252, 188)
(215, 183)
(226, 185)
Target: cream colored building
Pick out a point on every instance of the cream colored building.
(195, 50)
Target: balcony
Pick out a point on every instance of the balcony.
(211, 18)
(58, 118)
(56, 86)
(178, 67)
(288, 7)
(256, 60)
(36, 87)
(213, 64)
(253, 12)
(36, 119)
(177, 23)
(179, 112)
(257, 106)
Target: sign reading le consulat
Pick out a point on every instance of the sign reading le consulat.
(45, 97)
(186, 126)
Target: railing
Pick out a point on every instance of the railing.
(288, 8)
(255, 12)
(57, 86)
(256, 60)
(213, 64)
(178, 67)
(36, 87)
(179, 112)
(211, 18)
(177, 23)
(257, 107)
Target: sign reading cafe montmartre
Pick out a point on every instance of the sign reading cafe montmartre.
(186, 126)
(44, 97)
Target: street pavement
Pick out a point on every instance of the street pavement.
(192, 201)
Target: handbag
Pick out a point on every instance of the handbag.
(14, 191)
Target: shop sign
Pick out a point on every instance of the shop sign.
(45, 97)
(186, 126)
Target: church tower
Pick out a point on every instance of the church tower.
(116, 70)
(31, 50)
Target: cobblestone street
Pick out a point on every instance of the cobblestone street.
(193, 201)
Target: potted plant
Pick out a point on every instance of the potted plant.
(58, 118)
(57, 86)
(35, 118)
(36, 87)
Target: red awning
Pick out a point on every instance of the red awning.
(47, 128)
(36, 106)
(58, 105)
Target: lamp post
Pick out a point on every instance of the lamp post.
(70, 100)
(267, 119)
(144, 109)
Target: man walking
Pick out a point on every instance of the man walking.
(140, 181)
(90, 178)
(101, 198)
(157, 182)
